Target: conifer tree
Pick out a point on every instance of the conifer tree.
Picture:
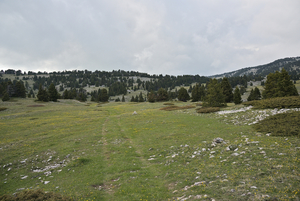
(237, 99)
(254, 94)
(42, 94)
(227, 90)
(279, 84)
(151, 97)
(53, 94)
(214, 95)
(103, 96)
(195, 93)
(5, 96)
(132, 99)
(123, 98)
(162, 95)
(183, 94)
(136, 99)
(141, 99)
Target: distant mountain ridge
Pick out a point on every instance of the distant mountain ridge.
(291, 64)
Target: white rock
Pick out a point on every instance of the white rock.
(46, 182)
(24, 177)
(254, 187)
(235, 154)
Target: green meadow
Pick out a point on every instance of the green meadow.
(91, 151)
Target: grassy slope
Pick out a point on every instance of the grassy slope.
(110, 150)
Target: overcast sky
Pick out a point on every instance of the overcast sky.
(172, 37)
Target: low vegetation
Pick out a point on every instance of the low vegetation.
(35, 195)
(2, 108)
(117, 154)
(174, 107)
(281, 102)
(286, 124)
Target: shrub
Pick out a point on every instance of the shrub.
(2, 108)
(285, 124)
(199, 104)
(207, 109)
(35, 195)
(280, 102)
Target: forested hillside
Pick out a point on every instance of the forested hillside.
(292, 65)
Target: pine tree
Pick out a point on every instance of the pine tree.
(254, 94)
(227, 90)
(66, 94)
(237, 99)
(123, 98)
(136, 99)
(103, 96)
(141, 99)
(279, 84)
(20, 90)
(5, 96)
(53, 94)
(42, 94)
(214, 95)
(183, 94)
(151, 97)
(162, 95)
(132, 99)
(196, 94)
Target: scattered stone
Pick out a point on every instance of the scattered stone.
(46, 182)
(20, 189)
(134, 113)
(232, 190)
(218, 140)
(254, 187)
(24, 177)
(235, 154)
(24, 161)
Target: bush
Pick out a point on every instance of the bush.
(281, 102)
(285, 124)
(2, 108)
(35, 195)
(199, 104)
(207, 109)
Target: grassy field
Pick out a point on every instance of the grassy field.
(93, 151)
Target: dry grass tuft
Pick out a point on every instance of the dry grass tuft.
(207, 109)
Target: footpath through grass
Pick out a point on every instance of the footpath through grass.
(104, 152)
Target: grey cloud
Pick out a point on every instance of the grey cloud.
(157, 37)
